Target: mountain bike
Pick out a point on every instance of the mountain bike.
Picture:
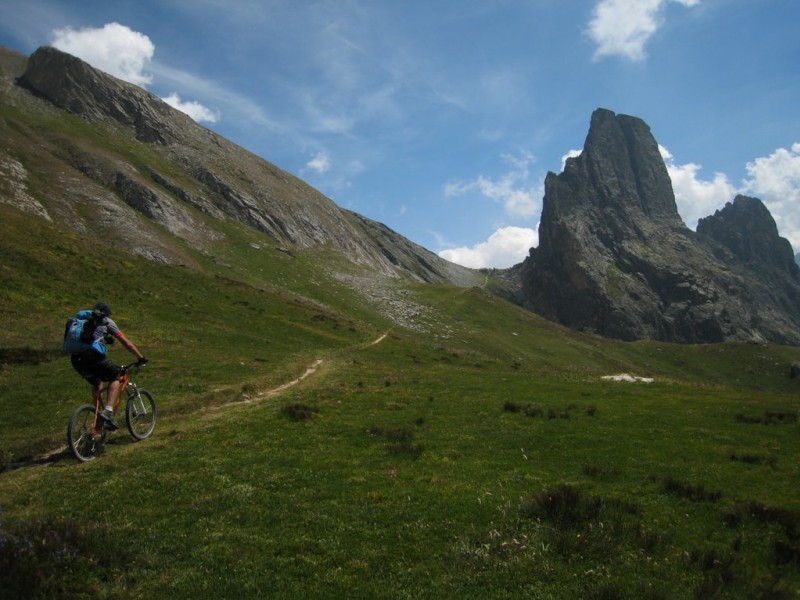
(87, 430)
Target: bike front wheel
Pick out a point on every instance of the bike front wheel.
(141, 414)
(85, 442)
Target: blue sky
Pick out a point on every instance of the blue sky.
(441, 118)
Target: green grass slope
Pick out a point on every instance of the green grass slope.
(473, 451)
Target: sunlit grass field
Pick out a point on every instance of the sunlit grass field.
(478, 455)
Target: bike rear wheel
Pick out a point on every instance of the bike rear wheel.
(141, 414)
(84, 444)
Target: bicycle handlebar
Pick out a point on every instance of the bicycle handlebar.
(132, 366)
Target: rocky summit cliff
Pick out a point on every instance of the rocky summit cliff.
(143, 162)
(615, 257)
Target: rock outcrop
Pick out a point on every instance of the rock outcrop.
(744, 232)
(615, 257)
(75, 86)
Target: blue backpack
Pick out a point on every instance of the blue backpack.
(80, 333)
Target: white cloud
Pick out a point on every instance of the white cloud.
(505, 247)
(125, 54)
(777, 175)
(774, 179)
(195, 110)
(321, 163)
(695, 197)
(623, 27)
(511, 189)
(113, 48)
(569, 154)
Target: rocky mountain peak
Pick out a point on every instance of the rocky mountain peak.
(615, 257)
(622, 158)
(748, 234)
(75, 86)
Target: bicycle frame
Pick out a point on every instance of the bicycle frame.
(97, 397)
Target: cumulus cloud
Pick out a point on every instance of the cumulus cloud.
(126, 54)
(695, 197)
(195, 110)
(569, 154)
(519, 198)
(623, 27)
(505, 247)
(321, 163)
(774, 179)
(113, 48)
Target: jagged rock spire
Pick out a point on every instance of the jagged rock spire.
(615, 257)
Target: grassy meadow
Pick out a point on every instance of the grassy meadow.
(478, 454)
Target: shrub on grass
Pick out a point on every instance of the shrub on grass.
(786, 547)
(769, 418)
(584, 527)
(788, 519)
(56, 558)
(752, 459)
(533, 411)
(693, 493)
(563, 504)
(397, 434)
(786, 552)
(599, 472)
(28, 356)
(407, 448)
(400, 439)
(299, 411)
(718, 572)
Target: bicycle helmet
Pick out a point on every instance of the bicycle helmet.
(102, 309)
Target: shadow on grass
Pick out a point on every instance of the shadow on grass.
(60, 456)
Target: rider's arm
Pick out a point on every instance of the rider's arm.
(129, 346)
(116, 332)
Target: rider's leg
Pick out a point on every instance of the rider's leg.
(111, 394)
(108, 412)
(109, 372)
(97, 389)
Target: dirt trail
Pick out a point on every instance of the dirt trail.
(281, 388)
(379, 340)
(63, 452)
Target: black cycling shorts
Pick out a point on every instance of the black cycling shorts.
(94, 367)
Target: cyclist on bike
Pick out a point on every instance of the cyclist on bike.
(96, 367)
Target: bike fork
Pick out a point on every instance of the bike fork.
(135, 398)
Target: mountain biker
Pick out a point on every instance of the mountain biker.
(96, 367)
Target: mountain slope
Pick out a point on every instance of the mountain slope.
(96, 154)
